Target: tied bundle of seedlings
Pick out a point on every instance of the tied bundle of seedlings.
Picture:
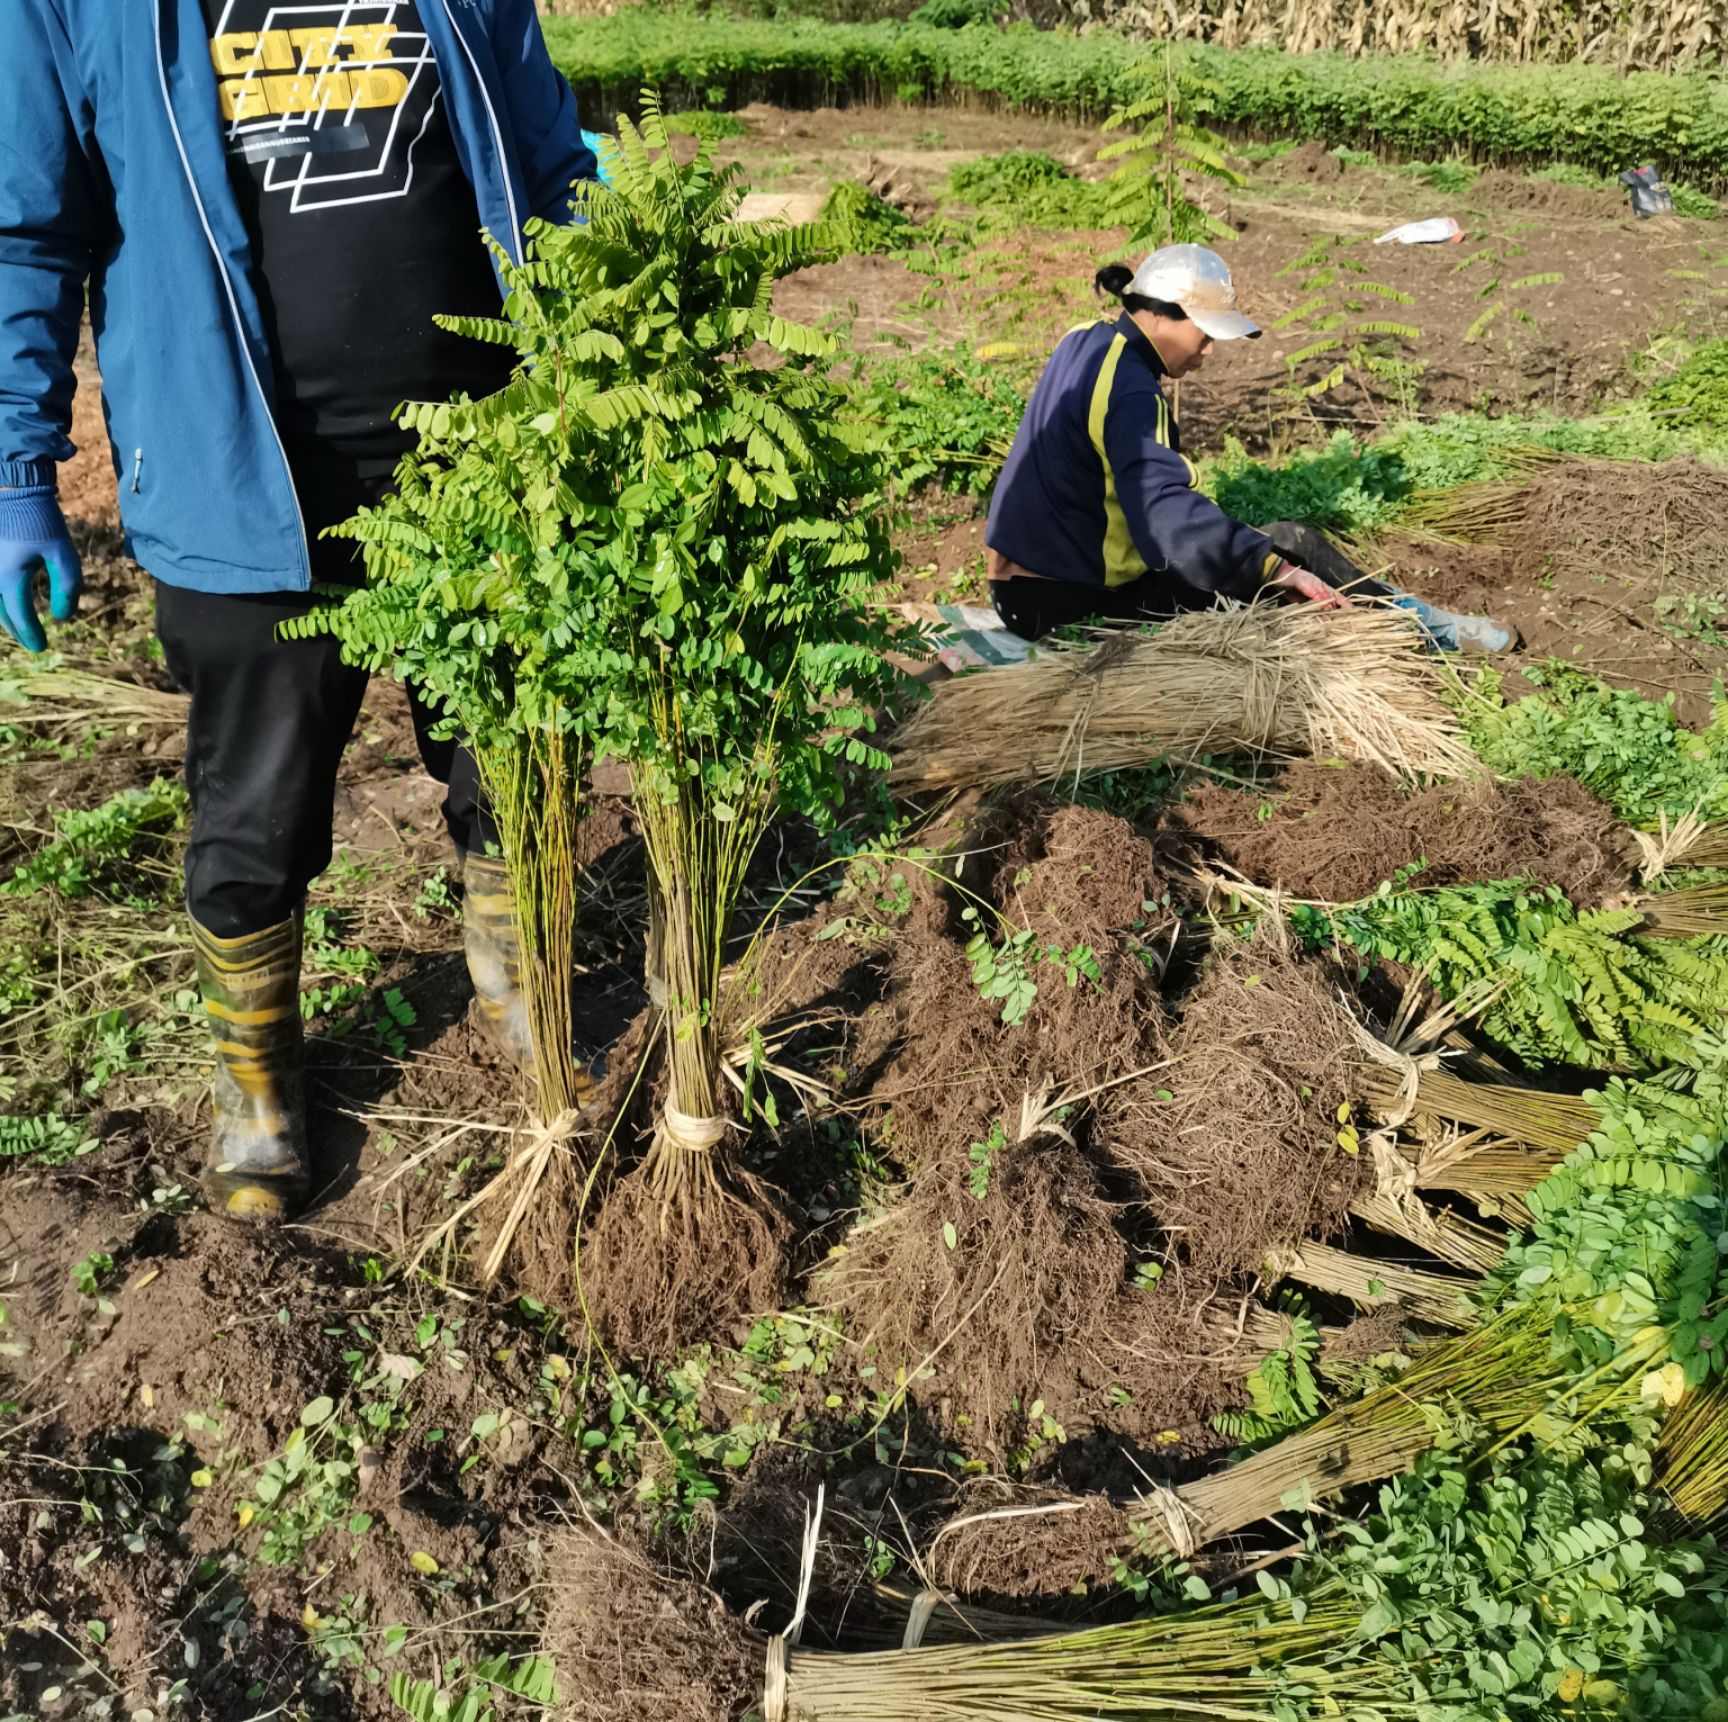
(1263, 679)
(728, 533)
(1692, 1454)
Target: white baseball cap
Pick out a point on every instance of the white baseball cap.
(1199, 281)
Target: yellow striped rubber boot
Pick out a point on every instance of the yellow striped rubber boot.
(493, 947)
(258, 1167)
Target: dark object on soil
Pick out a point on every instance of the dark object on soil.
(633, 1645)
(1650, 195)
(899, 190)
(1335, 835)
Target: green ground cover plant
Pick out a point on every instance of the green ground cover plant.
(1535, 115)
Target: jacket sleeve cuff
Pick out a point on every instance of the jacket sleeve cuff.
(26, 474)
(1270, 565)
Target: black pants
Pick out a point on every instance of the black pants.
(1034, 608)
(269, 722)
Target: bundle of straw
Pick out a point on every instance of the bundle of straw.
(1499, 1376)
(1693, 1455)
(1697, 910)
(1264, 679)
(1528, 1115)
(1213, 1663)
(1440, 1299)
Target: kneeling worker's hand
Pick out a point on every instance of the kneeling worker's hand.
(34, 541)
(1301, 584)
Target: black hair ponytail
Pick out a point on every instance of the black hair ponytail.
(1114, 280)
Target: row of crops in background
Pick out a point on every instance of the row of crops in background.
(1526, 114)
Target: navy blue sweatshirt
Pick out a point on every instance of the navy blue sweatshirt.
(1096, 490)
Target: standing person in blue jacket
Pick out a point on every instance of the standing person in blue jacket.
(267, 203)
(1097, 514)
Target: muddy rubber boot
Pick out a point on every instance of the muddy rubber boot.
(258, 1168)
(493, 948)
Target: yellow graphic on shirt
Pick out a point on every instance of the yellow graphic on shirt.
(309, 71)
(326, 101)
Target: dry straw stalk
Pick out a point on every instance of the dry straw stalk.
(1262, 679)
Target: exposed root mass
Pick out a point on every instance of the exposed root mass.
(631, 1644)
(1335, 834)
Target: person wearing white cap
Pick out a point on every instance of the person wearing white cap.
(1097, 513)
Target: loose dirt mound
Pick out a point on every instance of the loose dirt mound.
(1334, 835)
(1669, 523)
(1500, 189)
(1002, 1265)
(1312, 162)
(1234, 1145)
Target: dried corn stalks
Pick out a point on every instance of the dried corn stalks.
(1630, 34)
(1265, 680)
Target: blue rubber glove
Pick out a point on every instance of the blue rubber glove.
(33, 541)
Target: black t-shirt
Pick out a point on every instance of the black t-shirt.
(361, 219)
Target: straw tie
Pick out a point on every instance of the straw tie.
(1178, 1525)
(777, 1665)
(924, 1607)
(774, 1680)
(692, 1132)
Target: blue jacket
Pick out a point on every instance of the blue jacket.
(1096, 489)
(112, 173)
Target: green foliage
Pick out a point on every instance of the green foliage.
(1030, 188)
(468, 1697)
(1342, 488)
(982, 1156)
(1283, 1390)
(955, 14)
(861, 221)
(1360, 487)
(1007, 971)
(1630, 1230)
(44, 1141)
(91, 1274)
(1347, 324)
(1414, 107)
(1569, 986)
(1531, 1582)
(1631, 750)
(92, 848)
(643, 515)
(1694, 205)
(947, 418)
(704, 123)
(1449, 177)
(1695, 394)
(1168, 148)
